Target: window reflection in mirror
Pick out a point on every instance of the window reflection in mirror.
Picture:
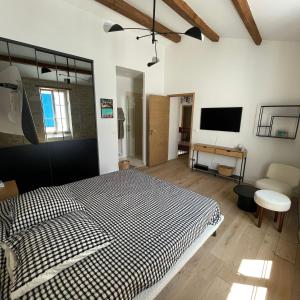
(60, 93)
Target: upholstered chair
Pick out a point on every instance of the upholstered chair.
(280, 178)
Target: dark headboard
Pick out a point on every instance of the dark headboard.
(56, 163)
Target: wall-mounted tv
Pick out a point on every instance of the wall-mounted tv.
(221, 118)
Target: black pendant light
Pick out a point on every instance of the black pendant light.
(193, 32)
(116, 27)
(45, 70)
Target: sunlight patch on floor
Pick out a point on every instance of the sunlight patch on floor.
(240, 291)
(256, 268)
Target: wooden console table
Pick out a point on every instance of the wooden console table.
(224, 151)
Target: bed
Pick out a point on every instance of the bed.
(155, 228)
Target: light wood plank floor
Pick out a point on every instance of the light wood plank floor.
(243, 261)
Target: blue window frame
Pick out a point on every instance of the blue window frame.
(56, 115)
(48, 109)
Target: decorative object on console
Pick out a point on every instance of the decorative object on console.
(241, 147)
(225, 170)
(278, 121)
(201, 167)
(193, 32)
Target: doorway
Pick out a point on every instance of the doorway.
(170, 120)
(180, 123)
(130, 85)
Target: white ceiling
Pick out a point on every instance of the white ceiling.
(276, 19)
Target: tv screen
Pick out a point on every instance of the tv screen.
(221, 118)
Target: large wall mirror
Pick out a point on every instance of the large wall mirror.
(59, 90)
(60, 93)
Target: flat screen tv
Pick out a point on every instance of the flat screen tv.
(221, 118)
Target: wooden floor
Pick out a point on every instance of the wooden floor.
(243, 261)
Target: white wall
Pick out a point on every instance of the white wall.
(238, 73)
(174, 118)
(75, 27)
(228, 73)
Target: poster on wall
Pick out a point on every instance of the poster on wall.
(107, 109)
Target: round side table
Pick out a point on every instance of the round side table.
(246, 197)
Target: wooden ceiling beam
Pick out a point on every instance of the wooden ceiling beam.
(139, 17)
(245, 13)
(187, 13)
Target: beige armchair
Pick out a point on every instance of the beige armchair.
(280, 178)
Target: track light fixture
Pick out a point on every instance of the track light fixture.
(193, 32)
(154, 61)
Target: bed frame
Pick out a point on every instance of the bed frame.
(153, 291)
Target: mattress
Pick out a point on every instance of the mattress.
(152, 223)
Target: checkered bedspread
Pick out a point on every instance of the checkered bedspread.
(152, 223)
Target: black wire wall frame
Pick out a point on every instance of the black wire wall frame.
(269, 126)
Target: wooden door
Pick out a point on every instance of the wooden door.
(158, 136)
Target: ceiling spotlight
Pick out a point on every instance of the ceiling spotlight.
(116, 27)
(111, 27)
(194, 32)
(45, 70)
(154, 61)
(107, 25)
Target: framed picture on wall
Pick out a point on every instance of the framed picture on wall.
(107, 108)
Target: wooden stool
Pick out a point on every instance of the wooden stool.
(270, 200)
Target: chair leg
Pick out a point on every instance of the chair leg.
(276, 216)
(260, 216)
(257, 212)
(281, 218)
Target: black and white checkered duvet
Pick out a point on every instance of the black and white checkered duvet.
(152, 223)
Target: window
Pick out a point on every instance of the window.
(56, 115)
